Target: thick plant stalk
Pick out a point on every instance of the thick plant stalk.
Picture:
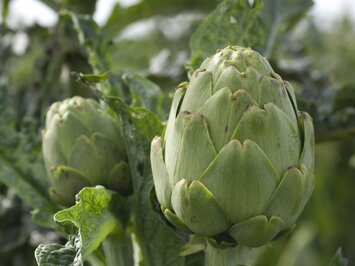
(236, 256)
(118, 251)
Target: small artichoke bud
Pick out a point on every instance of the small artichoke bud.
(83, 146)
(236, 161)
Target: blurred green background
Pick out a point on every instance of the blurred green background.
(42, 55)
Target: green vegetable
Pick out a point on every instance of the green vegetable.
(83, 146)
(236, 161)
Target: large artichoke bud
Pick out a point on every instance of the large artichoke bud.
(236, 161)
(83, 146)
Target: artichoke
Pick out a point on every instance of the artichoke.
(236, 161)
(83, 146)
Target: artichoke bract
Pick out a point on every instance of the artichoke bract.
(236, 161)
(83, 146)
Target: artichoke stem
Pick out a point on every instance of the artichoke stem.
(233, 256)
(118, 251)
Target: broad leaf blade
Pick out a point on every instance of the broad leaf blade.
(29, 191)
(233, 22)
(144, 92)
(338, 259)
(256, 24)
(280, 15)
(91, 216)
(21, 166)
(344, 98)
(121, 17)
(91, 38)
(55, 254)
(88, 222)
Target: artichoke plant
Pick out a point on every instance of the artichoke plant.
(236, 161)
(83, 146)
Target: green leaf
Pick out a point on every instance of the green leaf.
(336, 126)
(28, 190)
(332, 108)
(79, 7)
(91, 78)
(21, 166)
(338, 259)
(145, 93)
(280, 15)
(344, 98)
(233, 22)
(158, 244)
(92, 217)
(55, 254)
(97, 213)
(121, 17)
(255, 24)
(4, 7)
(340, 121)
(91, 38)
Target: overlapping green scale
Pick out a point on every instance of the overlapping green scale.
(242, 189)
(160, 174)
(196, 93)
(57, 133)
(66, 182)
(273, 90)
(308, 140)
(257, 230)
(273, 131)
(190, 135)
(237, 157)
(104, 154)
(288, 197)
(52, 152)
(218, 117)
(198, 208)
